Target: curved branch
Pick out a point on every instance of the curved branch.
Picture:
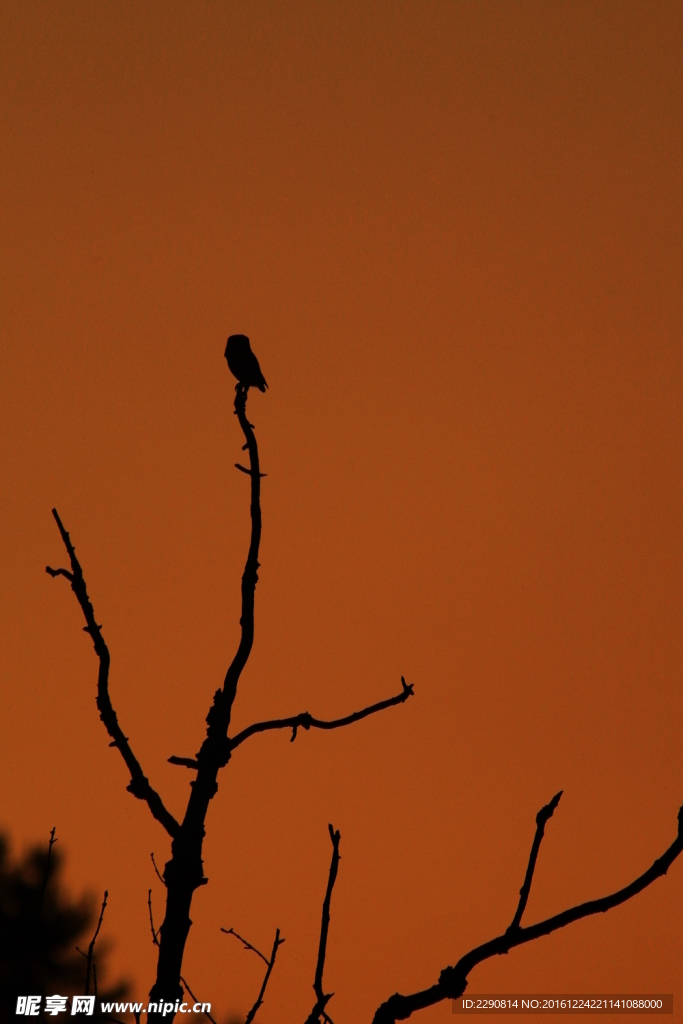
(453, 980)
(306, 721)
(139, 785)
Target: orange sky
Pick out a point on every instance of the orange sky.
(453, 232)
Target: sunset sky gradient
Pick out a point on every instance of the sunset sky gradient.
(453, 232)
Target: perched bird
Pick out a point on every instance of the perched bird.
(243, 363)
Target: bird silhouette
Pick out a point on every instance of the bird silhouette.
(243, 363)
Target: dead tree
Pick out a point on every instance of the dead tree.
(184, 873)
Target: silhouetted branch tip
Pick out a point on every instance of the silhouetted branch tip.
(549, 809)
(408, 688)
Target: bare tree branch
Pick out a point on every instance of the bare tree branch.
(270, 964)
(322, 999)
(453, 980)
(306, 721)
(91, 949)
(139, 785)
(541, 818)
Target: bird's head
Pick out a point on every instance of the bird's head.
(238, 343)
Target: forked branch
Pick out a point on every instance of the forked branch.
(453, 980)
(139, 785)
(269, 966)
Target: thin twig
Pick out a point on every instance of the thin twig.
(139, 785)
(541, 818)
(46, 876)
(322, 998)
(91, 949)
(270, 964)
(247, 945)
(186, 986)
(159, 876)
(155, 934)
(306, 721)
(453, 980)
(35, 924)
